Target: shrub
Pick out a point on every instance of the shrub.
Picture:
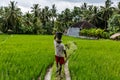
(114, 24)
(83, 32)
(105, 35)
(99, 33)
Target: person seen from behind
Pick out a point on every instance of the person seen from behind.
(60, 52)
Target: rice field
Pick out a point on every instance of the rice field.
(27, 57)
(96, 60)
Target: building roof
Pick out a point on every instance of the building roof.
(83, 25)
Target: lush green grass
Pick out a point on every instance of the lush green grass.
(96, 60)
(3, 38)
(25, 57)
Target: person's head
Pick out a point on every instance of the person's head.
(58, 35)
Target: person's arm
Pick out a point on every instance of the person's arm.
(64, 50)
(54, 37)
(65, 53)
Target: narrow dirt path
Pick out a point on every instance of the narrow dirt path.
(72, 47)
(67, 73)
(48, 74)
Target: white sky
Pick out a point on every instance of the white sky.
(60, 4)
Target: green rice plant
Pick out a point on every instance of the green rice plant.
(3, 38)
(25, 57)
(96, 60)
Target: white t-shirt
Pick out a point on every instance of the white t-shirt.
(59, 49)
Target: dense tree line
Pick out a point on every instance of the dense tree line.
(46, 20)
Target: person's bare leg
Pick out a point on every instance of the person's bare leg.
(57, 67)
(60, 69)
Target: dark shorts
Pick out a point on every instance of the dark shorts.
(59, 59)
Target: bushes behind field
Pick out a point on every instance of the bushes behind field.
(99, 33)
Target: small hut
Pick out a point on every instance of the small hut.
(74, 30)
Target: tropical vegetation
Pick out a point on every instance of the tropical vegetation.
(98, 33)
(47, 20)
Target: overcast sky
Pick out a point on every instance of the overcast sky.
(60, 4)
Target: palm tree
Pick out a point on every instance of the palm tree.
(84, 6)
(36, 10)
(85, 9)
(118, 10)
(67, 17)
(44, 15)
(4, 15)
(1, 15)
(64, 20)
(119, 5)
(36, 20)
(27, 23)
(95, 17)
(13, 19)
(76, 14)
(107, 11)
(53, 14)
(1, 11)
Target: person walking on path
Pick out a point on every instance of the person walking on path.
(59, 52)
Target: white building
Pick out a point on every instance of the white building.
(74, 30)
